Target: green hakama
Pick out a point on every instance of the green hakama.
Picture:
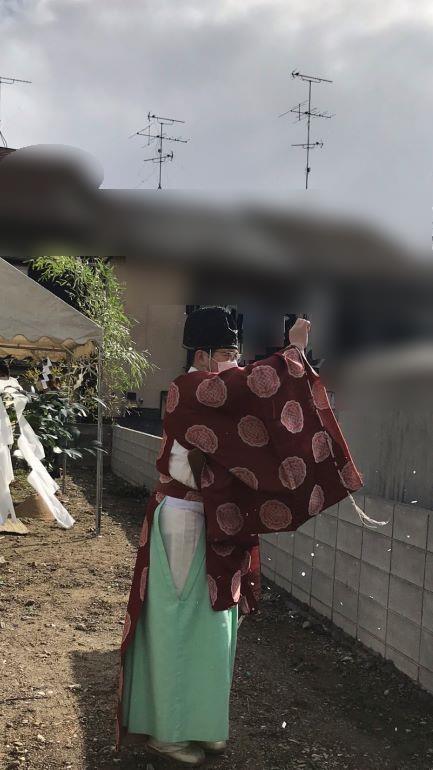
(179, 666)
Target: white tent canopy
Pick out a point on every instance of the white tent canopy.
(34, 322)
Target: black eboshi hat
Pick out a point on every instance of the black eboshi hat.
(209, 328)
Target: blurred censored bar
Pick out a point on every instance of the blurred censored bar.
(364, 293)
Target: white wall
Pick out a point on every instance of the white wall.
(134, 456)
(377, 585)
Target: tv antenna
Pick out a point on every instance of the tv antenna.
(162, 156)
(9, 82)
(304, 111)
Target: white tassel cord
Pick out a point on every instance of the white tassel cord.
(366, 520)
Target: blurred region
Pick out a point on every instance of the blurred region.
(369, 299)
(360, 289)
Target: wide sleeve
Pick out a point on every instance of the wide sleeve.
(274, 449)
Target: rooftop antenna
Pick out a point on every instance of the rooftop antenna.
(304, 111)
(161, 157)
(9, 82)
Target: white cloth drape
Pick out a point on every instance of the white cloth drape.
(180, 528)
(179, 467)
(32, 452)
(6, 472)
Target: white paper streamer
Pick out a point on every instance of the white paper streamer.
(6, 433)
(6, 471)
(79, 381)
(46, 369)
(32, 451)
(6, 477)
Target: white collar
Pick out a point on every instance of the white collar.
(192, 369)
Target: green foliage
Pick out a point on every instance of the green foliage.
(95, 288)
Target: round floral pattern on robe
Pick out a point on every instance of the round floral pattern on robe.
(317, 501)
(349, 477)
(223, 549)
(321, 446)
(172, 398)
(164, 479)
(143, 582)
(253, 431)
(213, 590)
(246, 476)
(236, 586)
(229, 518)
(320, 397)
(212, 392)
(275, 514)
(207, 477)
(144, 534)
(292, 472)
(203, 438)
(263, 381)
(294, 362)
(292, 416)
(127, 626)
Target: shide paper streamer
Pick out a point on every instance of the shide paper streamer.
(31, 450)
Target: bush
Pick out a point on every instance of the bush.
(92, 287)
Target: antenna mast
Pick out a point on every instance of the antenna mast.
(161, 157)
(9, 82)
(303, 110)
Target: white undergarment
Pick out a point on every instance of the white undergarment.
(180, 528)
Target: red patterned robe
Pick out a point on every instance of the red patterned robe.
(275, 456)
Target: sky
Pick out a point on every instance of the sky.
(224, 67)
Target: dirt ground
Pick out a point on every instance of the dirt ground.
(304, 695)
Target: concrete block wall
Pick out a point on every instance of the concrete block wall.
(133, 456)
(377, 585)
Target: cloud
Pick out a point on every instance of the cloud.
(224, 67)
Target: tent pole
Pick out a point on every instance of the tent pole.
(64, 455)
(64, 475)
(99, 455)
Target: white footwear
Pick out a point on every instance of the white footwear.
(187, 753)
(213, 747)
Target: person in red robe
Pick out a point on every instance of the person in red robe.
(265, 449)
